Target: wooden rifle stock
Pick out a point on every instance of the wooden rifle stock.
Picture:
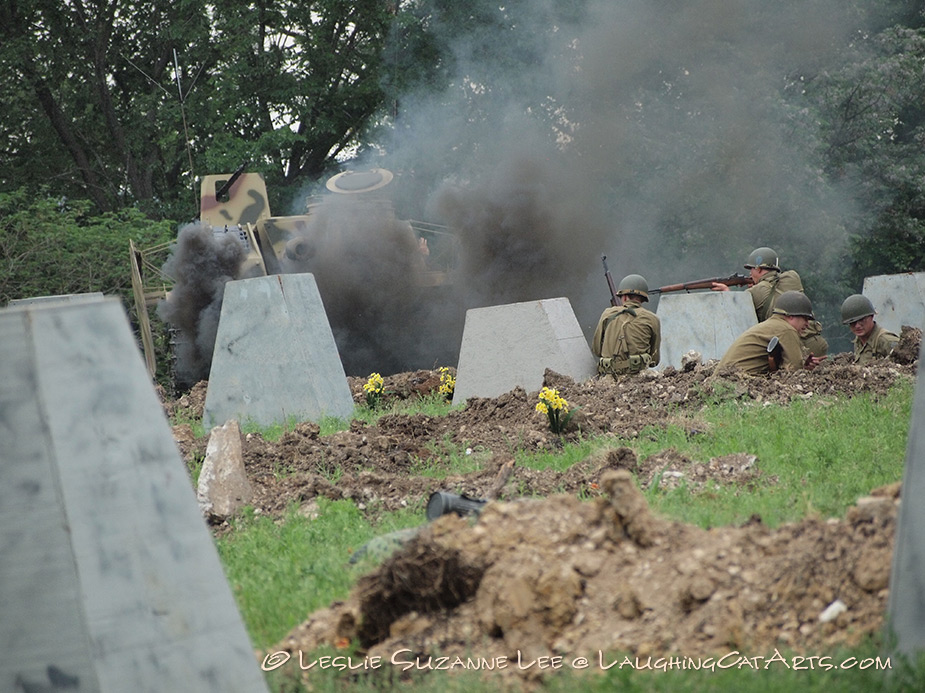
(731, 280)
(614, 299)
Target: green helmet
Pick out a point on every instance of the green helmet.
(794, 303)
(634, 284)
(763, 258)
(855, 307)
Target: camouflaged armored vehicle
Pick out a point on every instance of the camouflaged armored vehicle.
(237, 204)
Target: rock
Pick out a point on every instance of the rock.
(223, 486)
(832, 611)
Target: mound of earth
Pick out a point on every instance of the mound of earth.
(381, 466)
(573, 563)
(562, 577)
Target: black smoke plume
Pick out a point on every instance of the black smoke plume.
(200, 264)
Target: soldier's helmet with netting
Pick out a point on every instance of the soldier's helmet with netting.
(855, 307)
(763, 258)
(794, 303)
(634, 284)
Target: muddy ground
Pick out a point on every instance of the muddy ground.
(573, 563)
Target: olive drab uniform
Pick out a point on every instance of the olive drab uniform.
(764, 296)
(627, 339)
(880, 344)
(769, 287)
(749, 352)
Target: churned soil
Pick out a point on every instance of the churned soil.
(574, 563)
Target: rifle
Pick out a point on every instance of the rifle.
(731, 280)
(614, 299)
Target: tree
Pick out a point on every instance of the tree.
(122, 102)
(872, 119)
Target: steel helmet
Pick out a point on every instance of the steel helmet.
(794, 303)
(763, 258)
(634, 284)
(855, 307)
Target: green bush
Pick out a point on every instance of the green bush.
(51, 247)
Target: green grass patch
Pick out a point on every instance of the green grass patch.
(824, 454)
(281, 571)
(448, 458)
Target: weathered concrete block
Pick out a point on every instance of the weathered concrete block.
(707, 322)
(512, 345)
(62, 298)
(906, 608)
(899, 299)
(275, 355)
(109, 573)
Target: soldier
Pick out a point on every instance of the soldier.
(749, 352)
(870, 340)
(770, 283)
(628, 337)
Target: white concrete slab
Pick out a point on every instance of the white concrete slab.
(899, 299)
(512, 345)
(906, 608)
(108, 571)
(275, 355)
(706, 321)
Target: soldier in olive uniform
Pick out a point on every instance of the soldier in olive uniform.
(870, 340)
(749, 352)
(628, 337)
(769, 283)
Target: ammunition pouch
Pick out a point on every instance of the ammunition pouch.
(621, 366)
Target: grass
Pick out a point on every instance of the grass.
(281, 571)
(448, 458)
(825, 454)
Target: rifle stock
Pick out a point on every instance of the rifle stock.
(614, 299)
(731, 280)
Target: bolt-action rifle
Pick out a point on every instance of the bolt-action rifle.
(731, 280)
(614, 299)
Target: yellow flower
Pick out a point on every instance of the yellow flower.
(374, 383)
(447, 381)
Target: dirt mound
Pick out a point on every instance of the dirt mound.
(561, 577)
(381, 466)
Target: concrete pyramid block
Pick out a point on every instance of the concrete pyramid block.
(62, 298)
(512, 345)
(109, 575)
(906, 608)
(275, 355)
(708, 322)
(899, 299)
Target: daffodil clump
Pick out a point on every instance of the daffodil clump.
(447, 382)
(556, 409)
(374, 388)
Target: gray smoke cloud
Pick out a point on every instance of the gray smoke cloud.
(200, 264)
(650, 132)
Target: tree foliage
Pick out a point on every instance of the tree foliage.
(125, 102)
(872, 119)
(52, 247)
